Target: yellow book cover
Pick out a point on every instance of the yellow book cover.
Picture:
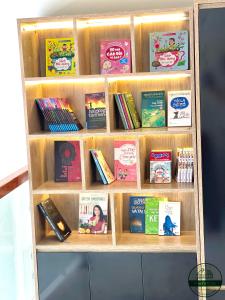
(104, 166)
(60, 57)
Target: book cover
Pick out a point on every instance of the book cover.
(153, 109)
(104, 166)
(125, 157)
(55, 219)
(169, 218)
(137, 214)
(132, 110)
(152, 214)
(93, 213)
(160, 166)
(169, 51)
(67, 161)
(179, 108)
(60, 57)
(121, 112)
(95, 110)
(115, 56)
(126, 111)
(97, 164)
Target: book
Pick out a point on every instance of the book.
(169, 218)
(67, 161)
(98, 167)
(104, 166)
(185, 165)
(55, 219)
(132, 110)
(56, 115)
(95, 110)
(125, 158)
(160, 166)
(137, 214)
(126, 111)
(115, 56)
(121, 111)
(152, 214)
(168, 51)
(60, 57)
(153, 109)
(179, 108)
(93, 213)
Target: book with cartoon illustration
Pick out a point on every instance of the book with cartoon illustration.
(115, 56)
(160, 166)
(95, 111)
(168, 51)
(153, 109)
(93, 213)
(137, 214)
(125, 158)
(60, 57)
(169, 218)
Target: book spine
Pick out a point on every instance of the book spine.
(98, 167)
(132, 109)
(54, 228)
(120, 108)
(104, 166)
(126, 112)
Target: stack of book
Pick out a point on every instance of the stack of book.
(102, 167)
(154, 215)
(127, 110)
(185, 165)
(57, 115)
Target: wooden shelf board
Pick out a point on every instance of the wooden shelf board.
(181, 187)
(52, 187)
(45, 80)
(76, 242)
(186, 242)
(146, 131)
(115, 186)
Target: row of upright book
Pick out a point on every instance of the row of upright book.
(168, 51)
(147, 214)
(68, 163)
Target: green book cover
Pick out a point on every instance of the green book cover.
(132, 110)
(153, 109)
(152, 214)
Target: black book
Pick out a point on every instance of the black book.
(55, 220)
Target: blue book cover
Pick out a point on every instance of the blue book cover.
(153, 109)
(137, 214)
(169, 51)
(98, 167)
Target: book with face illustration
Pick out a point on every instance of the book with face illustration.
(93, 213)
(169, 218)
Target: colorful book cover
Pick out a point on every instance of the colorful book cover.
(67, 161)
(99, 169)
(126, 111)
(115, 56)
(179, 108)
(152, 214)
(132, 110)
(60, 57)
(153, 109)
(169, 218)
(125, 157)
(121, 112)
(160, 166)
(95, 110)
(137, 214)
(93, 213)
(169, 51)
(104, 166)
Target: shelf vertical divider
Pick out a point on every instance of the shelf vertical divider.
(138, 165)
(113, 218)
(133, 52)
(82, 160)
(76, 46)
(107, 103)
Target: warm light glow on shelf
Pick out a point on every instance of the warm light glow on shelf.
(47, 25)
(62, 80)
(103, 22)
(161, 18)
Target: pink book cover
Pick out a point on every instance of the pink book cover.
(125, 160)
(115, 56)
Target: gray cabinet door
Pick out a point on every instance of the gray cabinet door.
(63, 276)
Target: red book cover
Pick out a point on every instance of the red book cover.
(67, 161)
(125, 160)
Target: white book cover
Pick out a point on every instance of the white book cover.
(169, 218)
(179, 108)
(93, 213)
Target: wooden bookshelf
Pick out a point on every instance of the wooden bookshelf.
(88, 31)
